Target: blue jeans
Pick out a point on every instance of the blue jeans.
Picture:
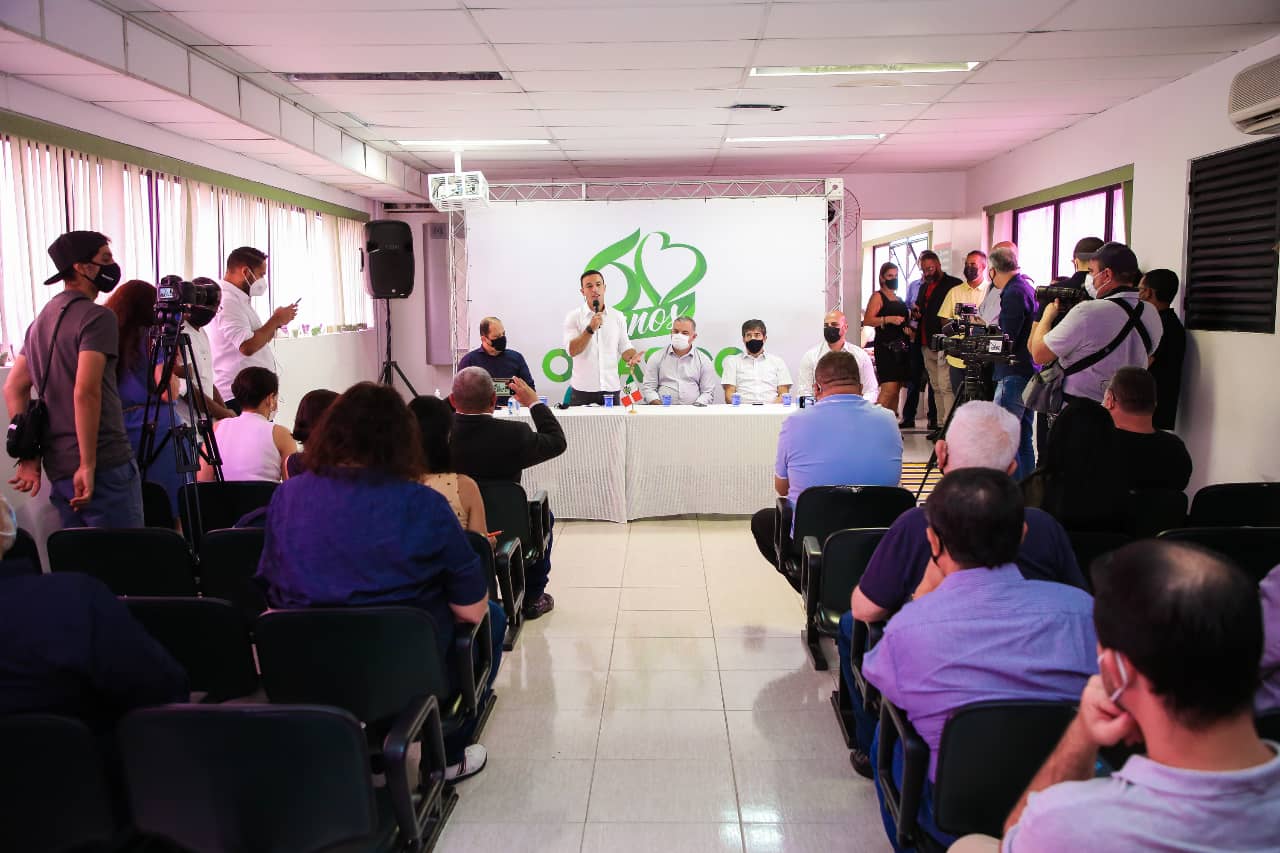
(1009, 397)
(116, 500)
(924, 818)
(864, 724)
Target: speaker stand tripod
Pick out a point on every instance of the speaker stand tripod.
(391, 369)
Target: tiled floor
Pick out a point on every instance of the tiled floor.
(666, 705)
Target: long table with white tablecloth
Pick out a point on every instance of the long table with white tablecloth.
(656, 461)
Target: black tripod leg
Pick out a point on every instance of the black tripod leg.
(403, 378)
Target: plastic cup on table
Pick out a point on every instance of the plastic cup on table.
(666, 399)
(736, 399)
(786, 400)
(608, 401)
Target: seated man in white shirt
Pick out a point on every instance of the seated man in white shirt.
(680, 371)
(238, 338)
(835, 333)
(755, 376)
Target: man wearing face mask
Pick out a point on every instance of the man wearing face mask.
(680, 370)
(238, 338)
(755, 376)
(69, 356)
(1017, 307)
(494, 356)
(197, 318)
(972, 292)
(934, 288)
(835, 334)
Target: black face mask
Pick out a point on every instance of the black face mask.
(891, 283)
(831, 333)
(499, 343)
(107, 278)
(755, 345)
(970, 273)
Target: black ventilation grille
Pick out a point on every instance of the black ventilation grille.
(1233, 237)
(383, 76)
(773, 108)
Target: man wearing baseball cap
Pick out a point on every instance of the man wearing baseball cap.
(1115, 326)
(69, 358)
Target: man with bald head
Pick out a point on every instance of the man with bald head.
(494, 355)
(835, 332)
(489, 448)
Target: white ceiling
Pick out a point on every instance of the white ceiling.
(625, 89)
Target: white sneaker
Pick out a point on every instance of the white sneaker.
(473, 761)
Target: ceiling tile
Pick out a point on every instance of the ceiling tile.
(346, 28)
(1022, 107)
(100, 87)
(173, 26)
(857, 51)
(624, 81)
(172, 111)
(999, 92)
(31, 57)
(1100, 68)
(839, 91)
(1085, 14)
(1144, 42)
(675, 99)
(228, 57)
(984, 124)
(826, 115)
(677, 23)
(605, 117)
(210, 130)
(640, 132)
(593, 57)
(518, 119)
(413, 103)
(86, 28)
(404, 87)
(906, 17)
(369, 58)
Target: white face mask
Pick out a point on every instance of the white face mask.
(1088, 286)
(679, 341)
(258, 286)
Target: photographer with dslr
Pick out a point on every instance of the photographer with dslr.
(1017, 309)
(1100, 336)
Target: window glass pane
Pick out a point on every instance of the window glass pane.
(1035, 243)
(1078, 218)
(1117, 217)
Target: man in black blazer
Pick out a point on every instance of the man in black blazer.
(489, 448)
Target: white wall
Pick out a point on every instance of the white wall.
(1229, 411)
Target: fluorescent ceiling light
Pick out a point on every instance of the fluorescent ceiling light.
(886, 68)
(468, 144)
(838, 138)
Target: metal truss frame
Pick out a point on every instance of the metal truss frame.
(844, 215)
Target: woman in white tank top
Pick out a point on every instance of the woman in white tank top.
(251, 446)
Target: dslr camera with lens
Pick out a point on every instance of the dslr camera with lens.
(1068, 297)
(175, 297)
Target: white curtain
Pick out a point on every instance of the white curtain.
(32, 215)
(357, 307)
(173, 244)
(204, 231)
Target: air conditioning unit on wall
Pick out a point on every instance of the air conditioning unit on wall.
(1254, 102)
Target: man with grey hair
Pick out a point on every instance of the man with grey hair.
(489, 448)
(680, 370)
(1017, 316)
(982, 435)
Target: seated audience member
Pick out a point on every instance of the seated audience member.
(1153, 458)
(251, 445)
(488, 448)
(1180, 636)
(313, 404)
(359, 528)
(1159, 287)
(68, 646)
(493, 355)
(435, 423)
(1269, 693)
(755, 376)
(978, 630)
(982, 435)
(1081, 480)
(835, 334)
(680, 370)
(843, 439)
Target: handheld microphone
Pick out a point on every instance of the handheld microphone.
(595, 305)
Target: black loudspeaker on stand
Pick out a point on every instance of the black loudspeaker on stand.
(389, 275)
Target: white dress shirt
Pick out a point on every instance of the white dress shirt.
(689, 378)
(203, 352)
(756, 377)
(235, 323)
(866, 369)
(596, 367)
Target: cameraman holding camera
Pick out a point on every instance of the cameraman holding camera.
(1017, 312)
(1112, 330)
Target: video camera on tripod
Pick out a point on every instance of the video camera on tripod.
(176, 298)
(972, 341)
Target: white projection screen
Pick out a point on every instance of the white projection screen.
(722, 261)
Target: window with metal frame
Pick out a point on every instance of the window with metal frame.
(1046, 233)
(905, 253)
(1233, 240)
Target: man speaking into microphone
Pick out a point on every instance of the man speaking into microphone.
(596, 338)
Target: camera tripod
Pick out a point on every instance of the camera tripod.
(975, 387)
(192, 438)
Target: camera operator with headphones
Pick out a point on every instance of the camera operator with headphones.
(1113, 330)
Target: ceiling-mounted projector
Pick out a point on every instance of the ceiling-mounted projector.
(456, 190)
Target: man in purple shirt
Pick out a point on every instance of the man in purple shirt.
(842, 440)
(981, 435)
(977, 630)
(1269, 693)
(1180, 636)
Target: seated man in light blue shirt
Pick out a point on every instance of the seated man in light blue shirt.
(680, 371)
(843, 439)
(977, 630)
(1180, 634)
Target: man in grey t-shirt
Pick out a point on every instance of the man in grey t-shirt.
(93, 475)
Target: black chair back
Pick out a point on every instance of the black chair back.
(221, 504)
(208, 637)
(370, 661)
(132, 561)
(1153, 511)
(157, 511)
(53, 786)
(228, 562)
(1235, 504)
(822, 510)
(23, 549)
(506, 508)
(1254, 549)
(845, 555)
(1090, 545)
(989, 753)
(231, 778)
